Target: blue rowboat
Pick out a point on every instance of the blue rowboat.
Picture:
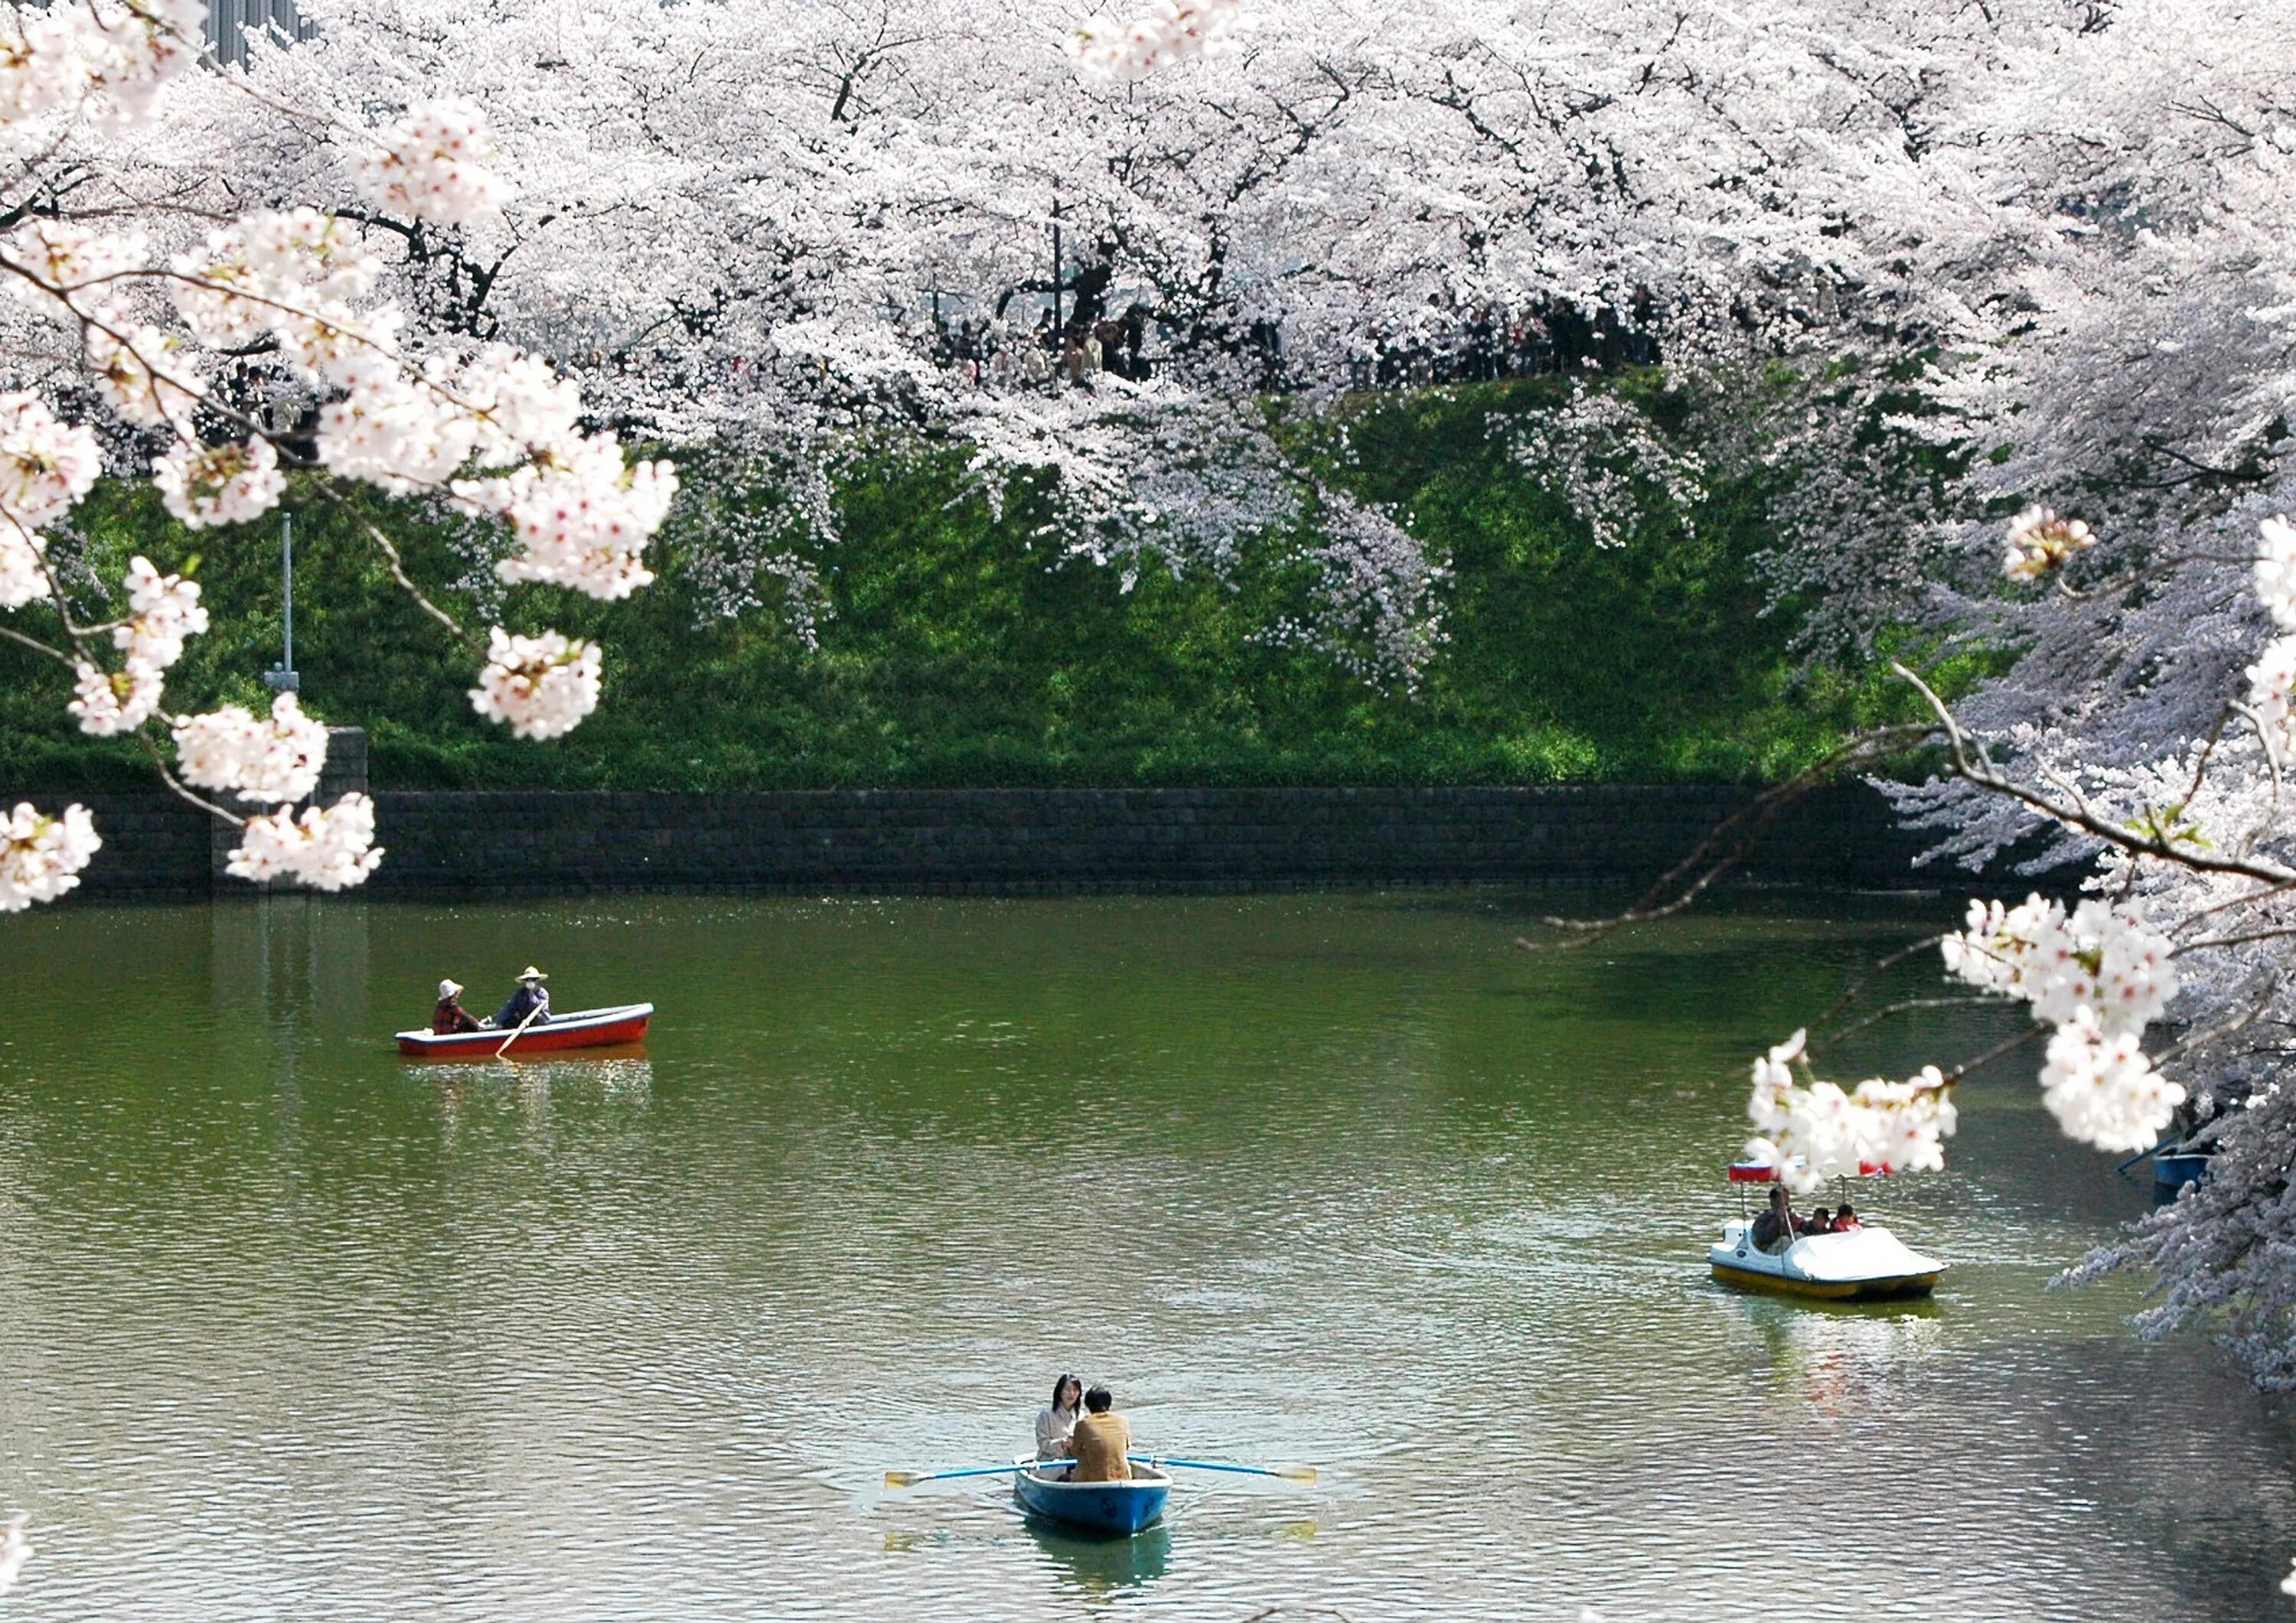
(1116, 1509)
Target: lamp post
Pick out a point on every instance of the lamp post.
(281, 677)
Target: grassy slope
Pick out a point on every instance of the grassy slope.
(958, 654)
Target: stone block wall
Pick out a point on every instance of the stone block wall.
(1025, 840)
(1030, 841)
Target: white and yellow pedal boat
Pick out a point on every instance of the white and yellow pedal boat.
(1865, 1264)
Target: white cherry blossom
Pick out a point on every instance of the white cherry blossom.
(433, 165)
(22, 579)
(1814, 1130)
(110, 55)
(163, 611)
(144, 374)
(40, 859)
(327, 848)
(1168, 31)
(224, 484)
(2270, 681)
(46, 465)
(585, 517)
(276, 757)
(110, 702)
(2104, 959)
(2275, 568)
(2102, 1088)
(543, 686)
(297, 275)
(2040, 541)
(76, 270)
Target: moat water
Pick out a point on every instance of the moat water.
(292, 1329)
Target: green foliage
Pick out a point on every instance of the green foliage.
(955, 649)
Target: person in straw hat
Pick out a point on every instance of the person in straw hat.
(450, 1017)
(532, 997)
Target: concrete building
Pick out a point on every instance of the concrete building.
(233, 23)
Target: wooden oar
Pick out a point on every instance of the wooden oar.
(520, 1032)
(910, 1478)
(1290, 1473)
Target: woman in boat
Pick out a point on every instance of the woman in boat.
(1057, 1423)
(531, 998)
(449, 1017)
(1846, 1221)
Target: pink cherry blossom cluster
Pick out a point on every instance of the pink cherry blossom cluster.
(1813, 1130)
(144, 374)
(110, 54)
(2040, 541)
(46, 466)
(2100, 975)
(585, 516)
(74, 267)
(40, 859)
(433, 165)
(2102, 1088)
(277, 759)
(110, 702)
(296, 275)
(327, 848)
(542, 685)
(163, 611)
(222, 484)
(1169, 31)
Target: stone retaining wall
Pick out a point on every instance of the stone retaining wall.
(1020, 840)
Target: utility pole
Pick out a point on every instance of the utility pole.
(1056, 257)
(281, 677)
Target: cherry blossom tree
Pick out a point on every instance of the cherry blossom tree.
(144, 308)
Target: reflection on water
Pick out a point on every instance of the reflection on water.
(293, 1328)
(1096, 1568)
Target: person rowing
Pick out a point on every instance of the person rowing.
(528, 1005)
(450, 1018)
(1102, 1441)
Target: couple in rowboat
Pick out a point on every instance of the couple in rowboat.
(531, 998)
(1098, 1438)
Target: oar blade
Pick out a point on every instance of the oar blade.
(1297, 1473)
(900, 1479)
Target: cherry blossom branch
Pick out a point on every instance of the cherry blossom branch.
(1906, 1007)
(1979, 771)
(1729, 843)
(37, 646)
(391, 553)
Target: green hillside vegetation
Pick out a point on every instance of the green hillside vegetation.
(957, 651)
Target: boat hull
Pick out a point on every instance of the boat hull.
(1830, 1290)
(613, 1027)
(1866, 1265)
(1114, 1510)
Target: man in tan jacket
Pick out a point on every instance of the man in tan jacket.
(1100, 1441)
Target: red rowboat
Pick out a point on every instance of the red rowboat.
(613, 1027)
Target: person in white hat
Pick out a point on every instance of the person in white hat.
(450, 1017)
(532, 997)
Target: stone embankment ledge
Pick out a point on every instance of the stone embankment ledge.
(1018, 841)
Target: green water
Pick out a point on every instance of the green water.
(292, 1329)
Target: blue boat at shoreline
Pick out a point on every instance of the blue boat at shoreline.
(1116, 1510)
